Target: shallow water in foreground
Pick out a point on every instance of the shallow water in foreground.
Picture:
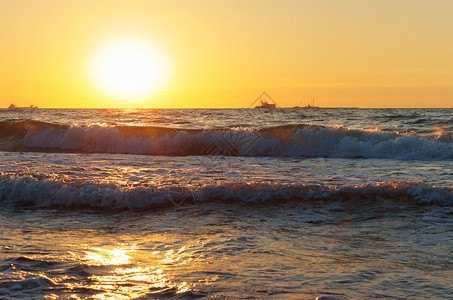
(289, 251)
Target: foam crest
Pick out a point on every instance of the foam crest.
(289, 140)
(45, 193)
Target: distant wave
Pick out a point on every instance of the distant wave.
(290, 140)
(20, 191)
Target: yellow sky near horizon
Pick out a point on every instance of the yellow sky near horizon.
(365, 53)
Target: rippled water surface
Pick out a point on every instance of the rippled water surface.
(289, 251)
(404, 120)
(226, 204)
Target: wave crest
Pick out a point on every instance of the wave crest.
(46, 193)
(289, 140)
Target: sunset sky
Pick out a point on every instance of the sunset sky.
(208, 53)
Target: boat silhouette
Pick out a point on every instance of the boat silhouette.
(265, 104)
(13, 106)
(307, 106)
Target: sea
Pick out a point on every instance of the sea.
(317, 203)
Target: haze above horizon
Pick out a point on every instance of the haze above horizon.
(200, 53)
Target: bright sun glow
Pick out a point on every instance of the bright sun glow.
(129, 69)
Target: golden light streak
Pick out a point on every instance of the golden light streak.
(130, 280)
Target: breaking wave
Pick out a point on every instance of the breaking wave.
(19, 191)
(289, 140)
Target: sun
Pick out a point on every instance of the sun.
(129, 69)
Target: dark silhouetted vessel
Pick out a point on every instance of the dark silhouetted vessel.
(13, 106)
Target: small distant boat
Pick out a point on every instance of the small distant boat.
(13, 106)
(310, 106)
(263, 103)
(307, 106)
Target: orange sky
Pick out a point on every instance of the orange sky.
(366, 53)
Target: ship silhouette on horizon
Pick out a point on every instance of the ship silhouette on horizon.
(13, 106)
(265, 101)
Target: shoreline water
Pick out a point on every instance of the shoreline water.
(293, 251)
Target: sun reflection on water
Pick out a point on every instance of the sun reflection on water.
(126, 278)
(107, 257)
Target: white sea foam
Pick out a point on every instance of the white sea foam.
(309, 141)
(27, 190)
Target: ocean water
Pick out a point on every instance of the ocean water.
(226, 204)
